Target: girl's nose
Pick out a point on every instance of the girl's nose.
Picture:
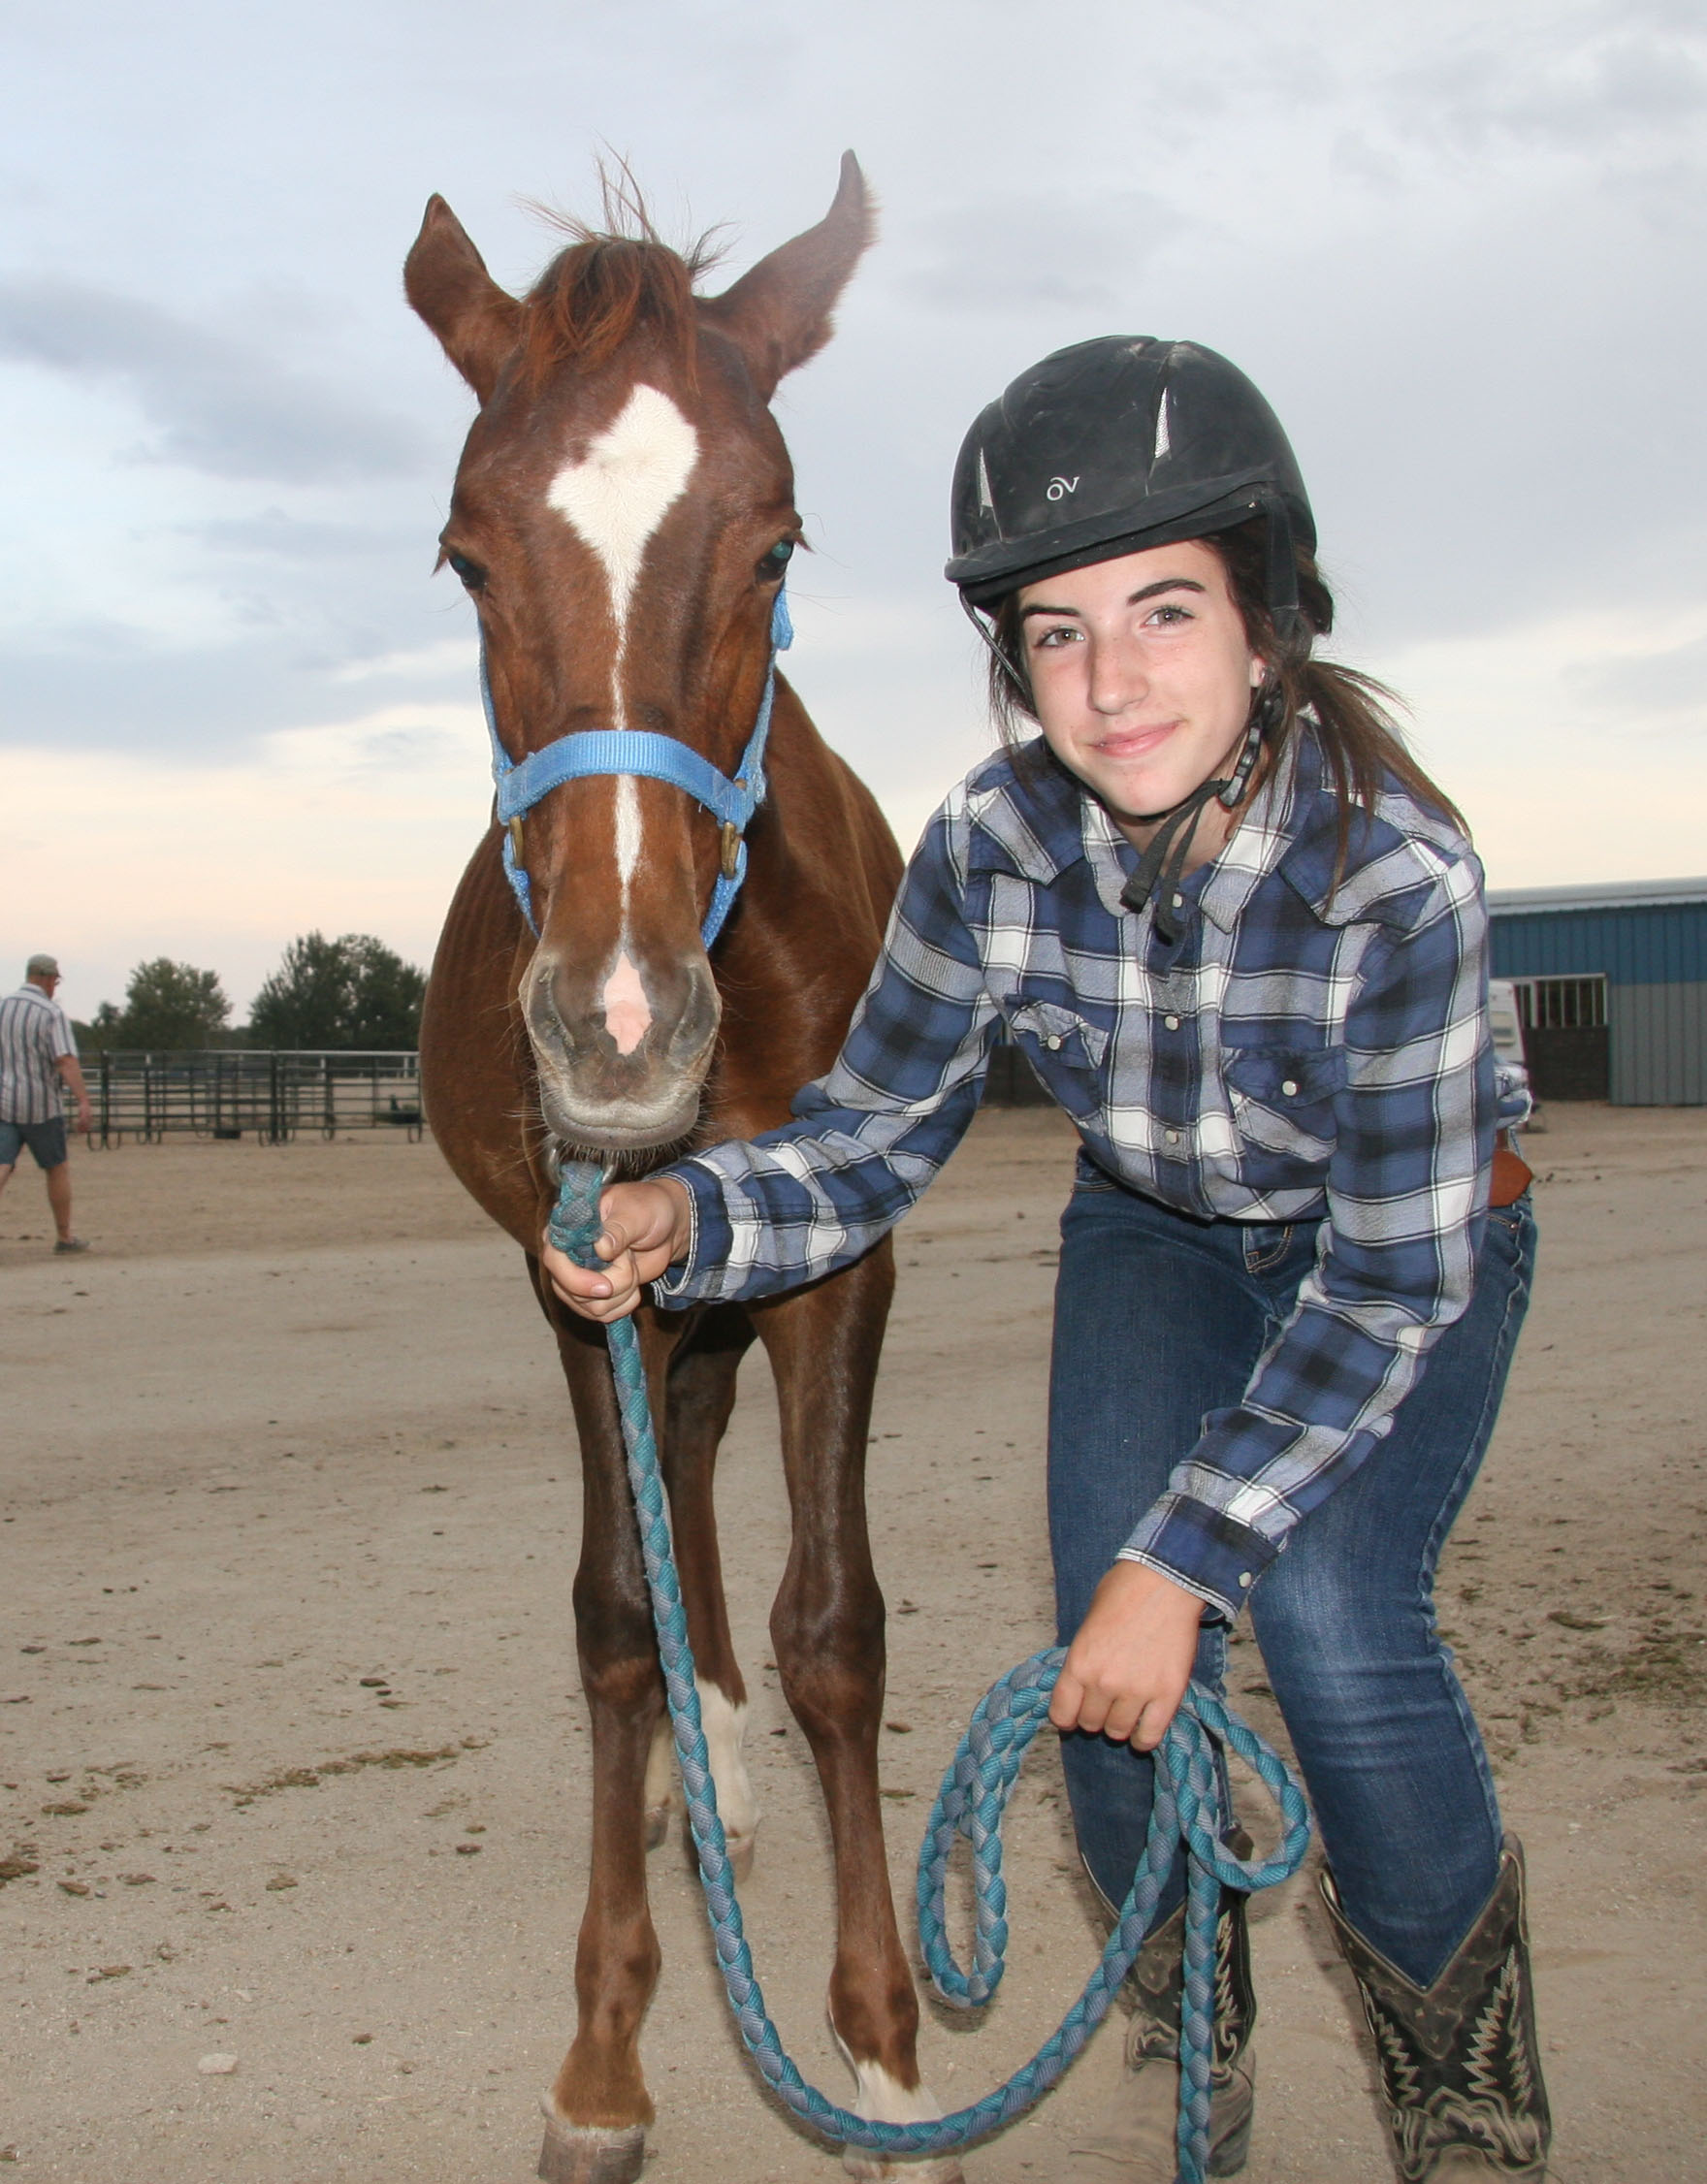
(1119, 674)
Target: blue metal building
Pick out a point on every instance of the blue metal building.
(1612, 987)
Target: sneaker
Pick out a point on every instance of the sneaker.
(71, 1243)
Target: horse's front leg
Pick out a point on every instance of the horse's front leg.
(699, 1395)
(596, 2113)
(828, 1628)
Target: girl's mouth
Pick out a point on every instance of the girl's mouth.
(1134, 742)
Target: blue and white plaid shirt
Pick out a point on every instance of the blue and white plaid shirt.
(1303, 1050)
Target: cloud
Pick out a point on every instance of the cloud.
(360, 825)
(292, 538)
(1585, 94)
(998, 253)
(217, 405)
(1573, 742)
(107, 686)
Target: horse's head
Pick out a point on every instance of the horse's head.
(623, 515)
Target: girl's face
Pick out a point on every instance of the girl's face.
(1141, 674)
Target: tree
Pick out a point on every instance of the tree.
(353, 992)
(166, 1005)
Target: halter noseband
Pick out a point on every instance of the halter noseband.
(659, 757)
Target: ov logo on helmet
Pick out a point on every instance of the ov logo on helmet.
(1059, 487)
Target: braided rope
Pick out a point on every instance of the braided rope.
(1186, 1808)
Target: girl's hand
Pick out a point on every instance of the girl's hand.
(1127, 1669)
(647, 1228)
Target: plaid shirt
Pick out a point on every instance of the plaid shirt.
(1303, 1050)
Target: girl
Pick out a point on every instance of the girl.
(1242, 939)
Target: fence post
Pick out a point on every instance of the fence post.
(275, 1121)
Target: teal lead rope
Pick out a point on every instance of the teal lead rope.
(1186, 1808)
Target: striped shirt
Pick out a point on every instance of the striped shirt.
(35, 1034)
(1303, 1052)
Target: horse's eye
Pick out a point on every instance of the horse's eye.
(775, 564)
(470, 574)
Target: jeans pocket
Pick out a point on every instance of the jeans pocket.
(1265, 1245)
(1089, 1177)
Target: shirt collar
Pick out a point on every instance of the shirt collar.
(1026, 814)
(1030, 815)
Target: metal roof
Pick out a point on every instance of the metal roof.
(1618, 894)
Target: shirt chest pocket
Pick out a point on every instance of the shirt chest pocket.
(1282, 1098)
(1064, 1051)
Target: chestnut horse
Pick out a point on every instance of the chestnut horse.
(623, 515)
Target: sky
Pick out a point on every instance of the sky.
(1459, 248)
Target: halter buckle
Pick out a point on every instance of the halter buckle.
(731, 849)
(516, 839)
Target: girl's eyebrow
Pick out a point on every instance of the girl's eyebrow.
(1148, 592)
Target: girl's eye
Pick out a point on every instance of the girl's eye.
(1170, 616)
(774, 565)
(470, 574)
(1063, 634)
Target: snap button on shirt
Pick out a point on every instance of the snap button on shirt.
(1054, 1044)
(1172, 1022)
(1172, 1137)
(1290, 1088)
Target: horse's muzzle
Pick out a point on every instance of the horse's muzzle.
(593, 1094)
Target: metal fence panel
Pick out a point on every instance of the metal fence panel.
(273, 1094)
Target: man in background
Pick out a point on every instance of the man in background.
(37, 1051)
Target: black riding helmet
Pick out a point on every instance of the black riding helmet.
(1109, 447)
(1115, 446)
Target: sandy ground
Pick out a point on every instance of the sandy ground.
(284, 1460)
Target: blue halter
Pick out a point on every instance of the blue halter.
(660, 757)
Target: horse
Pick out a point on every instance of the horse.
(623, 515)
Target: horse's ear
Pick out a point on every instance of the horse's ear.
(779, 311)
(445, 279)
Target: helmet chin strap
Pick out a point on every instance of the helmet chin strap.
(1014, 677)
(1162, 866)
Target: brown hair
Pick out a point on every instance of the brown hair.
(1358, 736)
(609, 281)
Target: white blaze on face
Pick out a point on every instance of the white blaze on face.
(626, 1012)
(617, 494)
(614, 498)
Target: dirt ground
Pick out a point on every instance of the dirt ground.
(288, 1448)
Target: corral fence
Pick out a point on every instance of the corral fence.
(277, 1094)
(274, 1094)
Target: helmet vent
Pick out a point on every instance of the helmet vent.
(1163, 443)
(984, 497)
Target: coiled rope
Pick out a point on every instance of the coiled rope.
(1186, 1808)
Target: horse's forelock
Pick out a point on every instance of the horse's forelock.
(600, 291)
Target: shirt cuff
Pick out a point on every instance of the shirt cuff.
(1203, 1550)
(709, 1239)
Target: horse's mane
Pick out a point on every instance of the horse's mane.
(609, 282)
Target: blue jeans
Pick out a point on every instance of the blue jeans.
(1160, 1318)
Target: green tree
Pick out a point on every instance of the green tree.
(166, 1005)
(353, 992)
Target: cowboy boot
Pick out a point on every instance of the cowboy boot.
(1460, 2064)
(1135, 2141)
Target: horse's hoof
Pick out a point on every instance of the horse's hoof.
(573, 2155)
(873, 2168)
(658, 1824)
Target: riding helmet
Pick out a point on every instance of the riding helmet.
(1118, 444)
